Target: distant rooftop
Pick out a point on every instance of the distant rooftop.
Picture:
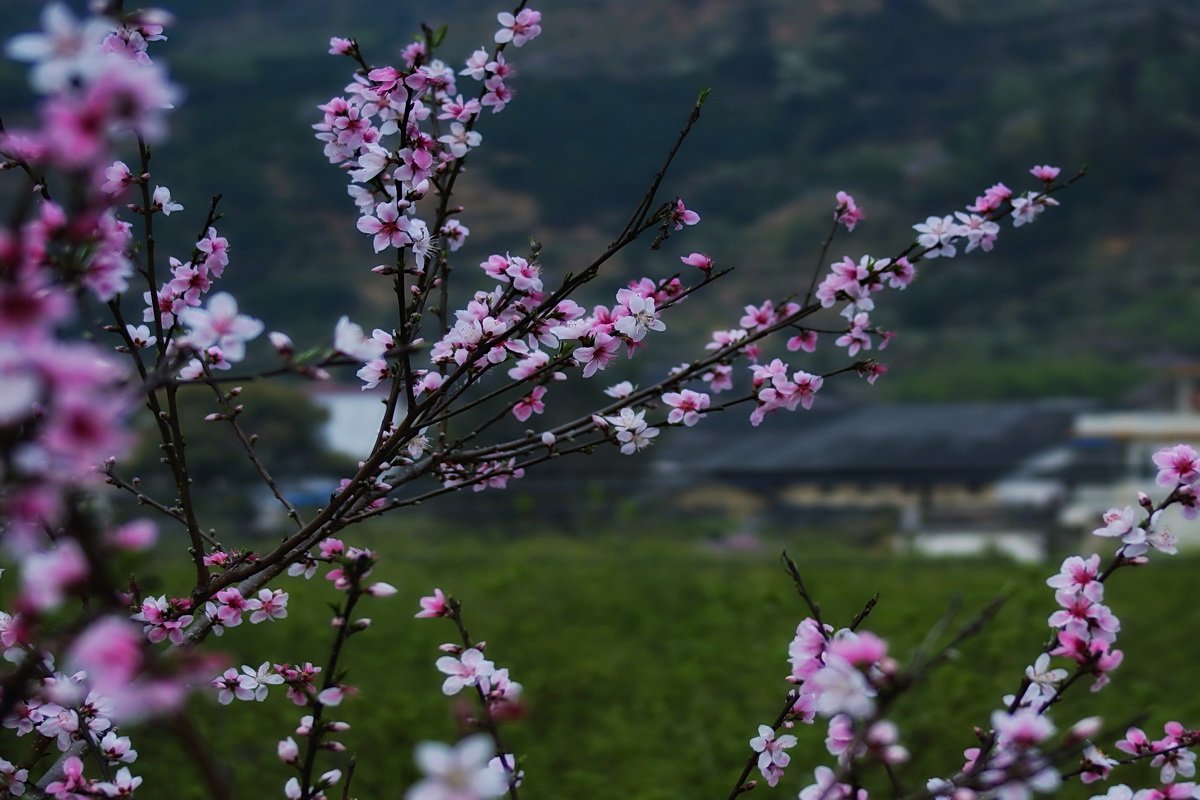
(964, 442)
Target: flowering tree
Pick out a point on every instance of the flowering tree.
(81, 355)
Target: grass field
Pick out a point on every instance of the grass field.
(648, 663)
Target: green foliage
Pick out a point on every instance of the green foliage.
(647, 664)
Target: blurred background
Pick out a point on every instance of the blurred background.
(1027, 386)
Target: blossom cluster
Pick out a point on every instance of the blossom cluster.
(402, 135)
(848, 677)
(469, 768)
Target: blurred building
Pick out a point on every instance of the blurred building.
(1024, 478)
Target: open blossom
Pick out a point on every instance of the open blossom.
(827, 788)
(460, 140)
(980, 232)
(771, 752)
(271, 604)
(1176, 465)
(938, 234)
(1157, 535)
(1095, 765)
(682, 216)
(117, 178)
(1023, 728)
(233, 684)
(220, 325)
(349, 338)
(686, 406)
(459, 772)
(156, 613)
(530, 404)
(597, 356)
(631, 429)
(387, 225)
(226, 608)
(60, 53)
(1045, 173)
(498, 94)
(519, 29)
(841, 688)
(163, 202)
(1027, 207)
(467, 670)
(642, 316)
(1080, 575)
(1118, 522)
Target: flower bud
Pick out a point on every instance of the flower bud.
(331, 696)
(1086, 728)
(381, 589)
(282, 343)
(289, 751)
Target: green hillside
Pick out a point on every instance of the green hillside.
(913, 106)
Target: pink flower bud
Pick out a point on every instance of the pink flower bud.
(381, 589)
(289, 751)
(136, 535)
(282, 343)
(332, 696)
(698, 260)
(1086, 728)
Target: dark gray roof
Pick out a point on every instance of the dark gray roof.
(928, 441)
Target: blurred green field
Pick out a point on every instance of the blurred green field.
(649, 662)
